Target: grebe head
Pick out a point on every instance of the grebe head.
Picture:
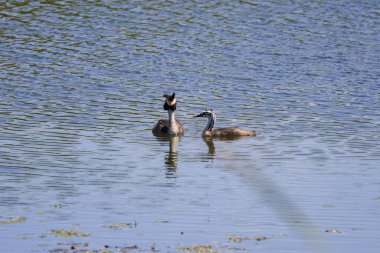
(170, 102)
(208, 113)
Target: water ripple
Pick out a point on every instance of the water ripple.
(82, 86)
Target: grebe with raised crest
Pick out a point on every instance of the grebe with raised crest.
(171, 126)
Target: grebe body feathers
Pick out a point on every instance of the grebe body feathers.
(163, 127)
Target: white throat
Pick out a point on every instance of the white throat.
(173, 128)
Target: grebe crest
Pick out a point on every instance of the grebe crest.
(170, 102)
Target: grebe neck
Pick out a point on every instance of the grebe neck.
(173, 128)
(210, 124)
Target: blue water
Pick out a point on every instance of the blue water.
(81, 88)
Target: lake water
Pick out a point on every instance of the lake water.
(81, 88)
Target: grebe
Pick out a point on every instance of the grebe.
(227, 132)
(172, 126)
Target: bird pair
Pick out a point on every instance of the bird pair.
(173, 127)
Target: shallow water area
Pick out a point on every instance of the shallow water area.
(81, 88)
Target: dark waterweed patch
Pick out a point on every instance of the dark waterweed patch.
(163, 221)
(239, 239)
(68, 233)
(128, 249)
(216, 248)
(85, 248)
(199, 249)
(12, 220)
(235, 249)
(24, 238)
(78, 246)
(62, 250)
(207, 248)
(119, 226)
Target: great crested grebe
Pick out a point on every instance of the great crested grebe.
(172, 126)
(221, 132)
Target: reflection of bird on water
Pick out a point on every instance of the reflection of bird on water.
(171, 158)
(210, 142)
(171, 126)
(211, 147)
(221, 132)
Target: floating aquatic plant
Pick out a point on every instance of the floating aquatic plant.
(127, 249)
(11, 220)
(69, 233)
(162, 221)
(119, 226)
(234, 249)
(333, 231)
(24, 238)
(238, 239)
(198, 249)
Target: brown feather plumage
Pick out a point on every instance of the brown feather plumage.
(162, 127)
(231, 132)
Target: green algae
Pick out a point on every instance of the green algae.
(239, 239)
(68, 233)
(119, 226)
(12, 220)
(24, 238)
(333, 231)
(198, 249)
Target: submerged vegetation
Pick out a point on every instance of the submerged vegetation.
(198, 249)
(119, 226)
(217, 248)
(333, 231)
(11, 220)
(208, 248)
(238, 239)
(68, 233)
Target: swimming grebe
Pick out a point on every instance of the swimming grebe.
(221, 132)
(172, 126)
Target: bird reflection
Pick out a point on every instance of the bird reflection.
(211, 146)
(171, 157)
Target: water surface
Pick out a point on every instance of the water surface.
(81, 87)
